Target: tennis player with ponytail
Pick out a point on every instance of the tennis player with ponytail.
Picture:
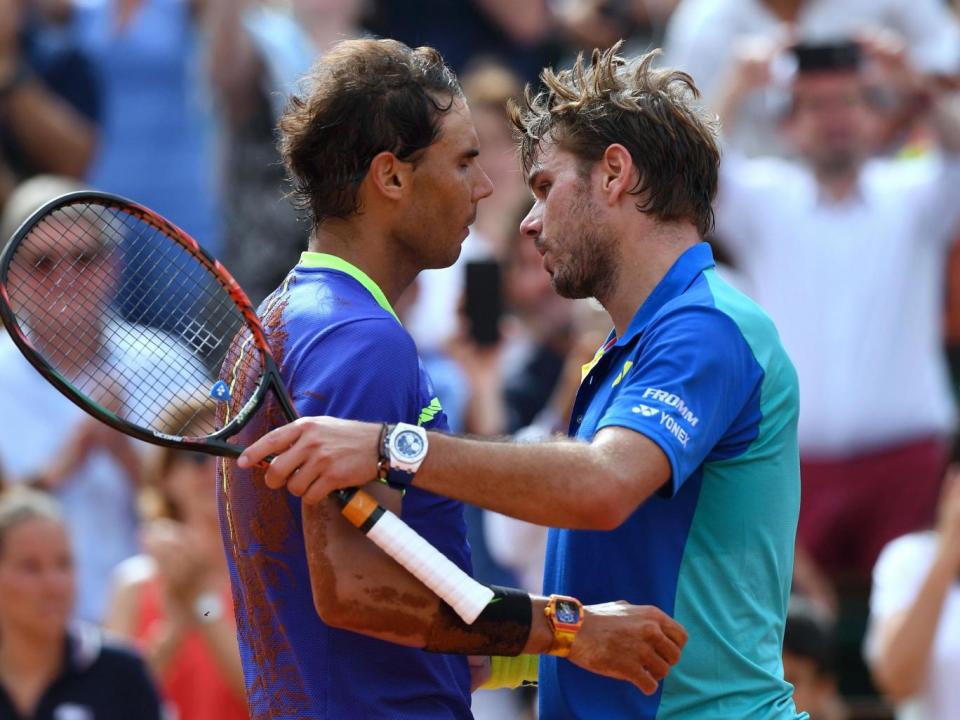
(383, 154)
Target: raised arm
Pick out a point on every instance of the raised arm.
(53, 135)
(233, 64)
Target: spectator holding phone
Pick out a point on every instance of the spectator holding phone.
(703, 37)
(913, 642)
(846, 252)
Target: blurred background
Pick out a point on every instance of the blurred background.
(838, 213)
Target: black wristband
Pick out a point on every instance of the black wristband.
(503, 628)
(509, 605)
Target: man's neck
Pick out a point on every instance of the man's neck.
(371, 251)
(643, 264)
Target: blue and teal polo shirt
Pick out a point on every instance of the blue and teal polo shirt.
(341, 352)
(701, 372)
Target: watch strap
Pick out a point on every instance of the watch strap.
(387, 470)
(562, 642)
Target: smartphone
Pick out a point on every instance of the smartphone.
(483, 301)
(817, 57)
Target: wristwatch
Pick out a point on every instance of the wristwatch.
(404, 448)
(565, 615)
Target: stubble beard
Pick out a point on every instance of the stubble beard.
(590, 267)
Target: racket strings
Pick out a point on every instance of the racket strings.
(89, 382)
(131, 318)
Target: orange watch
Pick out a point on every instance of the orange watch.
(565, 615)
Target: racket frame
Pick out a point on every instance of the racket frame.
(464, 594)
(213, 444)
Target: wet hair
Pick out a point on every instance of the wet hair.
(362, 98)
(651, 112)
(20, 504)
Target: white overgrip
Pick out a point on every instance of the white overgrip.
(465, 595)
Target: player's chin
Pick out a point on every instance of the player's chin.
(446, 258)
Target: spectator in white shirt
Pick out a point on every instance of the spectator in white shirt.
(913, 640)
(846, 252)
(47, 440)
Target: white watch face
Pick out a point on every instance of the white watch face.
(408, 445)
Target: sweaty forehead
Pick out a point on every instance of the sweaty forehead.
(456, 128)
(551, 159)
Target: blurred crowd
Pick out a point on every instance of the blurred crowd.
(838, 212)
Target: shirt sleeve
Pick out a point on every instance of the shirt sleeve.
(694, 376)
(361, 370)
(898, 575)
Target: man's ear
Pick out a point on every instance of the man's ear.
(618, 172)
(389, 176)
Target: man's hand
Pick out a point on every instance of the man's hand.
(637, 643)
(89, 435)
(314, 456)
(181, 565)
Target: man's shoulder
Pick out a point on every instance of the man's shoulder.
(328, 310)
(715, 316)
(326, 296)
(712, 306)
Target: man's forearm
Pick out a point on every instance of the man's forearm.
(53, 135)
(594, 485)
(542, 483)
(557, 484)
(357, 587)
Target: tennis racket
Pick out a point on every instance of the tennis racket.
(128, 317)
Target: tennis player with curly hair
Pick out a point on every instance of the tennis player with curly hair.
(681, 488)
(384, 156)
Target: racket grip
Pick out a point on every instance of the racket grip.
(465, 595)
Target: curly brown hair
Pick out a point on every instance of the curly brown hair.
(649, 111)
(363, 97)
